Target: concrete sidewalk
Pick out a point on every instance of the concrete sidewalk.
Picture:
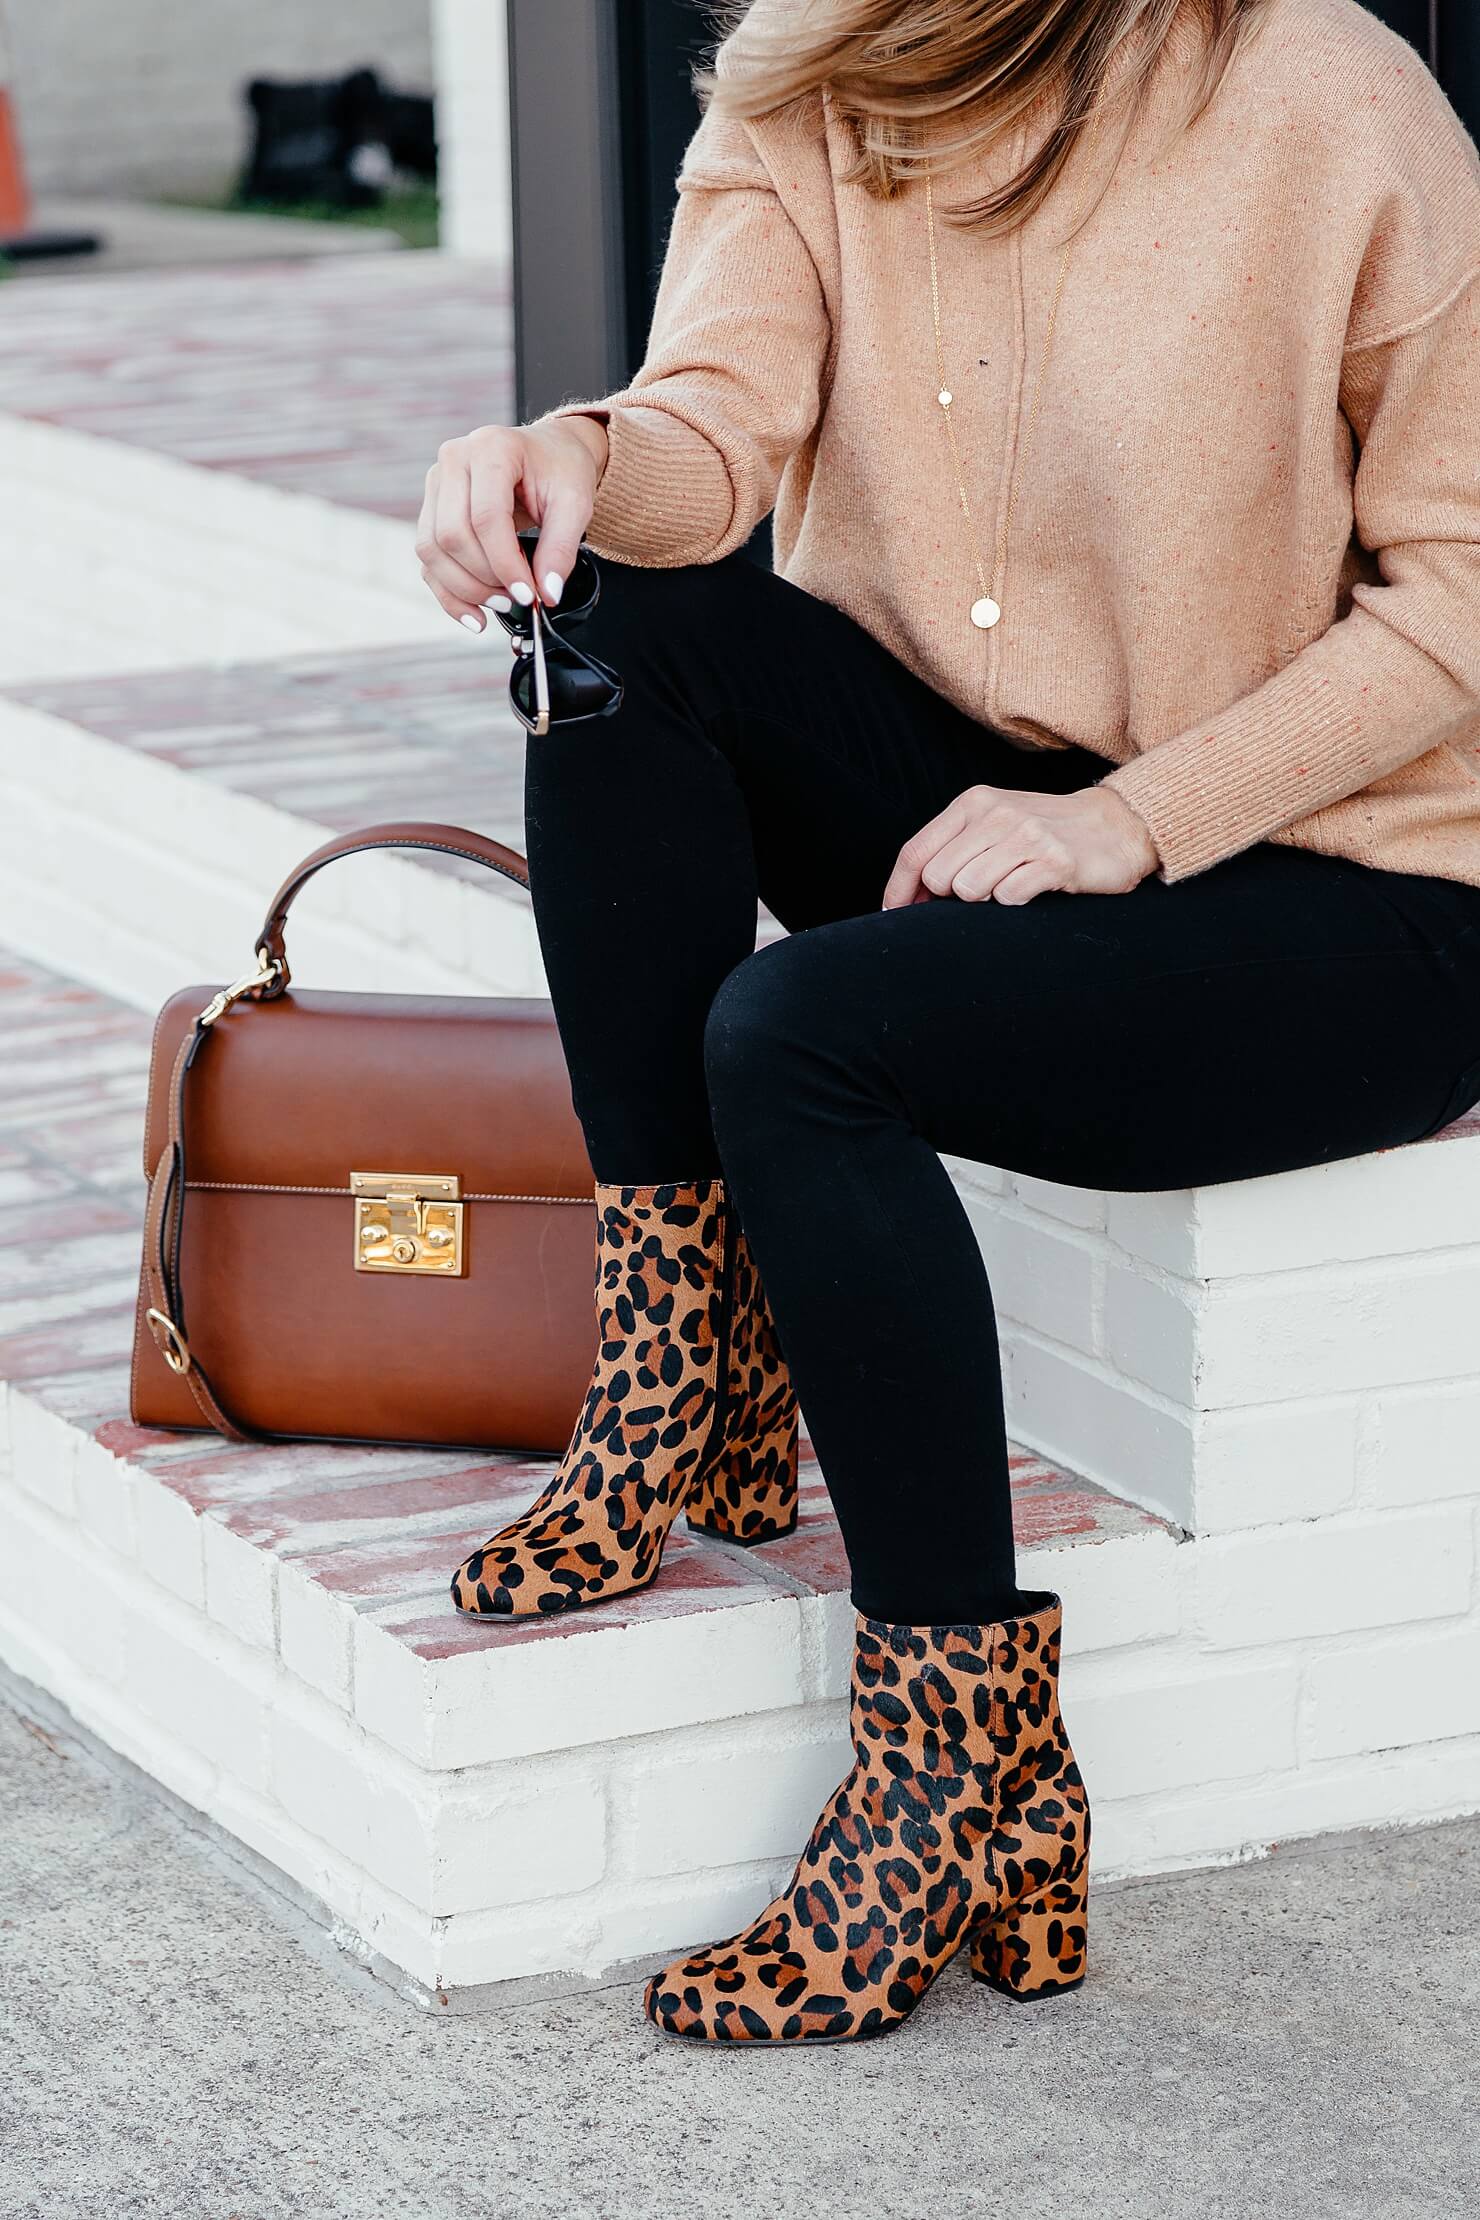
(152, 235)
(1297, 2037)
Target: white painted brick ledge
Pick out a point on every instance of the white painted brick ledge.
(1270, 1350)
(185, 565)
(557, 1809)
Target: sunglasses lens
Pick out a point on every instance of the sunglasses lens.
(580, 586)
(577, 689)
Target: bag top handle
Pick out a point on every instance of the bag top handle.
(447, 840)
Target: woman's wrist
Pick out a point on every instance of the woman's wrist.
(592, 433)
(1127, 824)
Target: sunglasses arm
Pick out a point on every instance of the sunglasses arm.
(541, 674)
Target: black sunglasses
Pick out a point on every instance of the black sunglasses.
(552, 682)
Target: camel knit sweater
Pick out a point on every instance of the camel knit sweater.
(1244, 565)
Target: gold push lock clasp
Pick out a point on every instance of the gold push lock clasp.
(408, 1222)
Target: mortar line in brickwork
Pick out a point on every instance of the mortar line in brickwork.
(1325, 1272)
(1367, 1447)
(1099, 1306)
(1011, 1206)
(1106, 1374)
(1102, 1369)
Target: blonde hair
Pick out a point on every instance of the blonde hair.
(965, 71)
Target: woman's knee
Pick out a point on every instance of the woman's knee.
(739, 1034)
(779, 1035)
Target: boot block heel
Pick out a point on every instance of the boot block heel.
(749, 1493)
(1036, 1946)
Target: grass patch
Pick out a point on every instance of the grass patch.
(409, 210)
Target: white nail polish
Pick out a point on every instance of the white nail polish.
(501, 602)
(474, 624)
(522, 593)
(554, 585)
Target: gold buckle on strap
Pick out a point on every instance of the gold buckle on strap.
(250, 982)
(169, 1340)
(408, 1222)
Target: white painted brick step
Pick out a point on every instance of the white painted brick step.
(146, 820)
(267, 1631)
(117, 559)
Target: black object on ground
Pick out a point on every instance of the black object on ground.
(338, 141)
(34, 246)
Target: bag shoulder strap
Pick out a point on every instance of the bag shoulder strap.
(163, 1221)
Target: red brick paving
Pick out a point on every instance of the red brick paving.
(382, 1528)
(337, 378)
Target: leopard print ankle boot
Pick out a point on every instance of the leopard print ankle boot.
(690, 1405)
(963, 1823)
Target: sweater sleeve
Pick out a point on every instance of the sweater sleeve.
(1400, 672)
(731, 383)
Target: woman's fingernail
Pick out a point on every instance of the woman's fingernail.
(501, 602)
(522, 593)
(554, 585)
(474, 624)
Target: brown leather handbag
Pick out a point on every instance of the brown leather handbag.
(371, 1217)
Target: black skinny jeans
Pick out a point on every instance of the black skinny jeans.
(1278, 1010)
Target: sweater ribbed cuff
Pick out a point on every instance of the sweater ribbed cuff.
(1262, 765)
(665, 495)
(1169, 798)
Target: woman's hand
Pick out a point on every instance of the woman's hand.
(483, 488)
(994, 844)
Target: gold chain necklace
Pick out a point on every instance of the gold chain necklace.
(987, 608)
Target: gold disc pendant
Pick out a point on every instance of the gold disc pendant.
(984, 613)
